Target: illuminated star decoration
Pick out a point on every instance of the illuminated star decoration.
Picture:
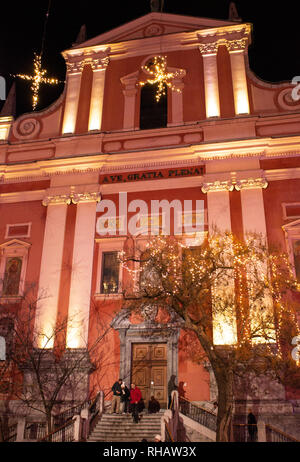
(37, 79)
(157, 67)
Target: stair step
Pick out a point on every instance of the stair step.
(121, 428)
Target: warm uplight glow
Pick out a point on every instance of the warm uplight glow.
(95, 118)
(5, 123)
(239, 81)
(37, 79)
(74, 339)
(71, 104)
(212, 102)
(223, 332)
(158, 69)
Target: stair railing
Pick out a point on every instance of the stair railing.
(77, 427)
(10, 434)
(198, 413)
(274, 435)
(170, 419)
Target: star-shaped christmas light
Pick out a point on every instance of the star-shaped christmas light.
(37, 79)
(158, 68)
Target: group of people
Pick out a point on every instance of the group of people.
(127, 401)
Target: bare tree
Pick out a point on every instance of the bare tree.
(46, 380)
(236, 299)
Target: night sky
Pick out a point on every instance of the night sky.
(274, 54)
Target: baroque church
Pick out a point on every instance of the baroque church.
(216, 133)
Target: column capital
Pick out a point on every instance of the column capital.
(251, 183)
(56, 199)
(235, 46)
(86, 197)
(72, 194)
(209, 48)
(75, 67)
(97, 64)
(217, 186)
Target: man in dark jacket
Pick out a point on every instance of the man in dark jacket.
(116, 399)
(252, 427)
(153, 406)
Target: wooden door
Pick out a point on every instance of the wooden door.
(149, 371)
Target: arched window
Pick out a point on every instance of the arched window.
(153, 114)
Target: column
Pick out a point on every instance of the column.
(253, 211)
(177, 97)
(236, 50)
(212, 102)
(219, 219)
(130, 91)
(48, 291)
(254, 221)
(82, 265)
(72, 96)
(96, 106)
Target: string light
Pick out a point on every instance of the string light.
(157, 67)
(37, 79)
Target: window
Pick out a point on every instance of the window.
(18, 230)
(12, 276)
(292, 236)
(13, 263)
(110, 273)
(109, 269)
(153, 114)
(296, 255)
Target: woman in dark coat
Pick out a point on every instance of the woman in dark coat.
(125, 398)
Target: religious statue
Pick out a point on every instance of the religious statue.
(157, 5)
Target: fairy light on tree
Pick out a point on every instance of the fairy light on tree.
(157, 67)
(181, 281)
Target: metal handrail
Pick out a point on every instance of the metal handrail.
(10, 433)
(40, 427)
(280, 435)
(57, 430)
(169, 434)
(198, 413)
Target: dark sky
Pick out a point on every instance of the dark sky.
(274, 54)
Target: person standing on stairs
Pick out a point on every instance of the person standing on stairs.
(125, 398)
(135, 397)
(115, 403)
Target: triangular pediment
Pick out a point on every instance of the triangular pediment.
(154, 24)
(294, 225)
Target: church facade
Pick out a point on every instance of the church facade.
(219, 136)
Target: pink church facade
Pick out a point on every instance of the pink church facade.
(227, 139)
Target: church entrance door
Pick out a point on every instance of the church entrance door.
(149, 371)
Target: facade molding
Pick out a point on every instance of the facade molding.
(72, 194)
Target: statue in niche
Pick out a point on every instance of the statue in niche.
(156, 5)
(12, 276)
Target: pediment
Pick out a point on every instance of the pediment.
(14, 243)
(154, 24)
(292, 226)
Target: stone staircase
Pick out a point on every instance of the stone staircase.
(121, 428)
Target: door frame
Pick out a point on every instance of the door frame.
(146, 332)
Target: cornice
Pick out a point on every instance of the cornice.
(161, 43)
(143, 159)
